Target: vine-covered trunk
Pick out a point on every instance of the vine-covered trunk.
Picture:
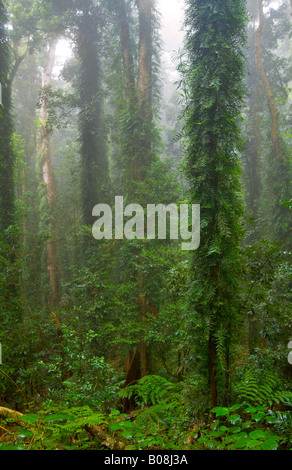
(138, 93)
(126, 48)
(92, 131)
(214, 83)
(212, 356)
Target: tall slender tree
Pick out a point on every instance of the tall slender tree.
(137, 114)
(48, 179)
(278, 161)
(214, 80)
(252, 154)
(6, 130)
(94, 165)
(137, 143)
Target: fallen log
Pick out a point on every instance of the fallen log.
(7, 413)
(104, 439)
(93, 431)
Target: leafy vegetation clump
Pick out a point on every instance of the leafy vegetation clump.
(160, 421)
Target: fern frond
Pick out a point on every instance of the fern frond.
(152, 390)
(253, 390)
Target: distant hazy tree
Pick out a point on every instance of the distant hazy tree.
(92, 131)
(6, 130)
(278, 172)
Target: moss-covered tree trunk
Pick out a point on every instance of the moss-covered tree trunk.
(214, 78)
(92, 131)
(138, 141)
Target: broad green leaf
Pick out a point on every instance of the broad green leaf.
(257, 434)
(251, 443)
(127, 435)
(270, 444)
(235, 407)
(220, 411)
(258, 416)
(223, 428)
(234, 419)
(115, 426)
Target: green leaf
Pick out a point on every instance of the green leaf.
(234, 419)
(220, 411)
(246, 424)
(235, 407)
(235, 430)
(257, 434)
(270, 444)
(223, 428)
(11, 447)
(127, 435)
(241, 443)
(115, 426)
(24, 433)
(30, 418)
(271, 419)
(56, 417)
(258, 416)
(127, 424)
(251, 443)
(254, 409)
(212, 444)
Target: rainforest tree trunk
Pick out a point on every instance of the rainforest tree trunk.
(269, 93)
(279, 163)
(138, 92)
(92, 132)
(126, 48)
(6, 130)
(212, 111)
(47, 175)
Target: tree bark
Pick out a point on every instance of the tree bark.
(144, 81)
(212, 355)
(138, 91)
(93, 147)
(47, 174)
(144, 86)
(105, 440)
(11, 414)
(254, 157)
(126, 47)
(6, 130)
(269, 93)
